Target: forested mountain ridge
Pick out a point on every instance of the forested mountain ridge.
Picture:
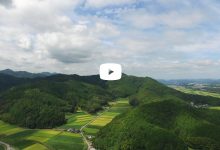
(162, 118)
(7, 81)
(160, 114)
(25, 74)
(60, 94)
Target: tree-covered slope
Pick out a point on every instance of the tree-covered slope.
(7, 81)
(146, 90)
(25, 104)
(34, 109)
(162, 119)
(162, 125)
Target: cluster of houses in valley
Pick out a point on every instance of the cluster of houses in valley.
(199, 106)
(73, 130)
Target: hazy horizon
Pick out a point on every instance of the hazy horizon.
(167, 79)
(163, 39)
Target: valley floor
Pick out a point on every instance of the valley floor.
(196, 92)
(59, 138)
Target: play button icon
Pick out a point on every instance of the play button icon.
(110, 71)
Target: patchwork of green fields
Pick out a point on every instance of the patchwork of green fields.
(196, 92)
(39, 139)
(106, 117)
(77, 120)
(44, 139)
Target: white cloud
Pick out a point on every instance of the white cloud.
(174, 19)
(106, 29)
(65, 36)
(37, 15)
(104, 3)
(24, 42)
(68, 47)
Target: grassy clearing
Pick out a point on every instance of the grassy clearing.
(115, 109)
(196, 92)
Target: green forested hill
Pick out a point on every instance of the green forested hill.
(27, 103)
(7, 81)
(169, 124)
(146, 90)
(162, 118)
(34, 109)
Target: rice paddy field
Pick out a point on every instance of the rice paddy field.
(43, 139)
(77, 120)
(57, 139)
(39, 139)
(196, 92)
(106, 117)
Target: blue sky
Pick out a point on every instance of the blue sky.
(167, 39)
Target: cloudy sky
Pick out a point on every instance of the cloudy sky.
(159, 38)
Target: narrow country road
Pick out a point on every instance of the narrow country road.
(7, 146)
(89, 144)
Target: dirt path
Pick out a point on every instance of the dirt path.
(7, 146)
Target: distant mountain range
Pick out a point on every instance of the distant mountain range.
(161, 118)
(25, 74)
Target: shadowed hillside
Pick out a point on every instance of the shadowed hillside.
(7, 81)
(27, 103)
(161, 118)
